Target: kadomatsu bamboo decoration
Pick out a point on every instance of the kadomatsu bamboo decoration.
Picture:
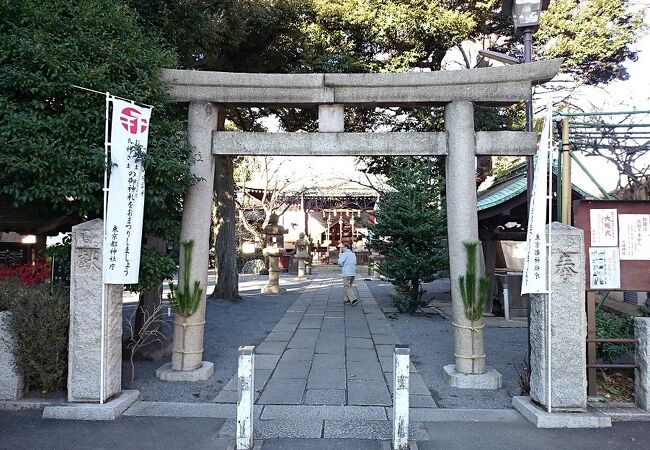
(184, 300)
(474, 296)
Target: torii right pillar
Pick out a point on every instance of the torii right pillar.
(469, 370)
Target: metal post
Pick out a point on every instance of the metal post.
(401, 367)
(246, 397)
(566, 174)
(558, 185)
(592, 383)
(528, 49)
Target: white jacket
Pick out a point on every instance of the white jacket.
(348, 263)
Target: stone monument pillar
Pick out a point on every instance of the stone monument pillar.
(274, 247)
(12, 380)
(187, 355)
(642, 373)
(568, 329)
(84, 350)
(462, 217)
(301, 253)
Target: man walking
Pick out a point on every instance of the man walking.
(348, 263)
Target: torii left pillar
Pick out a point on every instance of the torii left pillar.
(187, 354)
(469, 370)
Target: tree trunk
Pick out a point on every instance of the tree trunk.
(415, 289)
(149, 300)
(227, 285)
(483, 169)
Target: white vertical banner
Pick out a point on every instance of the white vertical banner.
(535, 278)
(125, 211)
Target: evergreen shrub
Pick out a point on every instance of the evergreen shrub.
(613, 326)
(39, 324)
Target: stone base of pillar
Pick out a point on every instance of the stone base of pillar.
(166, 373)
(272, 289)
(301, 268)
(110, 410)
(543, 419)
(491, 379)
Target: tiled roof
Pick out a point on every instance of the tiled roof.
(510, 186)
(501, 192)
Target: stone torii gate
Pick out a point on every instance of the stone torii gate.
(209, 92)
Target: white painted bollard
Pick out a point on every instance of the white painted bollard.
(506, 298)
(246, 397)
(401, 396)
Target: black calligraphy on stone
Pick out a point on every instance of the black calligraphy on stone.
(565, 267)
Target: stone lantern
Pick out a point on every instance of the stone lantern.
(274, 247)
(301, 253)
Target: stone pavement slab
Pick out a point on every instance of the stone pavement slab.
(326, 412)
(325, 397)
(283, 391)
(359, 429)
(362, 392)
(269, 429)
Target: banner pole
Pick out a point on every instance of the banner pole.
(549, 199)
(103, 314)
(112, 96)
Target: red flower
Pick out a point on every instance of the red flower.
(28, 274)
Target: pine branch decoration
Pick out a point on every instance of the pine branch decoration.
(474, 296)
(185, 301)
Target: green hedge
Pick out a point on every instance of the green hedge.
(39, 323)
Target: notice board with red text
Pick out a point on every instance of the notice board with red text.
(617, 243)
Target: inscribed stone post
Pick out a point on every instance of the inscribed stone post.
(642, 373)
(568, 325)
(84, 351)
(11, 379)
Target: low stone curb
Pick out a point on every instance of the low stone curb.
(539, 417)
(623, 412)
(29, 404)
(110, 410)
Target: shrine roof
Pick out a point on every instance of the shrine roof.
(510, 186)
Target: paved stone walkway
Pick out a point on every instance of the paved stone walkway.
(323, 352)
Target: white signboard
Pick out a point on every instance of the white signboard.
(604, 230)
(634, 236)
(123, 237)
(604, 268)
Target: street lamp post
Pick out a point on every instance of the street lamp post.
(526, 15)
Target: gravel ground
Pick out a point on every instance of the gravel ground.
(228, 325)
(430, 337)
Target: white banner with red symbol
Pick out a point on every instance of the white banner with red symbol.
(123, 229)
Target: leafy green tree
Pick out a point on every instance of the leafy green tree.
(52, 135)
(409, 230)
(52, 152)
(594, 37)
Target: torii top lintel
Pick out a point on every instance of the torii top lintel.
(494, 86)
